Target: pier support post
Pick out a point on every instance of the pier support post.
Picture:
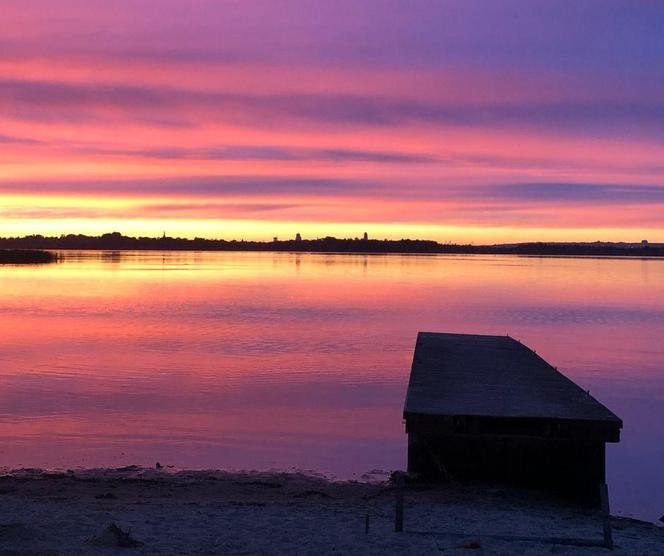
(398, 514)
(606, 515)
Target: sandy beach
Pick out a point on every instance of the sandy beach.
(215, 512)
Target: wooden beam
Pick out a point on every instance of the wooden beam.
(606, 515)
(398, 509)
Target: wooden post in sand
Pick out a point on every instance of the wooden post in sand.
(398, 514)
(606, 515)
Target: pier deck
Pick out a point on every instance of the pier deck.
(489, 407)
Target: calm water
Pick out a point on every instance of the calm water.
(261, 360)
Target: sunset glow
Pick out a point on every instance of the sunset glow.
(462, 122)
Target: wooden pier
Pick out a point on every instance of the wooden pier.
(489, 408)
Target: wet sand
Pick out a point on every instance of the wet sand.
(215, 512)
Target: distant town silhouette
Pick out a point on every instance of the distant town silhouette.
(117, 241)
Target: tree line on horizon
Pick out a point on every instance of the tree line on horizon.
(117, 241)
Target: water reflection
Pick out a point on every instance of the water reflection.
(278, 360)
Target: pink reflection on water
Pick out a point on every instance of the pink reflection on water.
(280, 361)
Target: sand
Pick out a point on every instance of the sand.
(222, 513)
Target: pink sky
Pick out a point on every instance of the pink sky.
(453, 121)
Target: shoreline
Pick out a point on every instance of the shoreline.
(27, 256)
(223, 512)
(117, 242)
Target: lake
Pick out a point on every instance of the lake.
(282, 361)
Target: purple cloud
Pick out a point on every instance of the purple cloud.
(33, 99)
(247, 186)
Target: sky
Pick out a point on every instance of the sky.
(461, 121)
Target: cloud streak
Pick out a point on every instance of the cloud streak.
(264, 153)
(252, 186)
(31, 99)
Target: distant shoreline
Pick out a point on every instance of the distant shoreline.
(26, 256)
(118, 242)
